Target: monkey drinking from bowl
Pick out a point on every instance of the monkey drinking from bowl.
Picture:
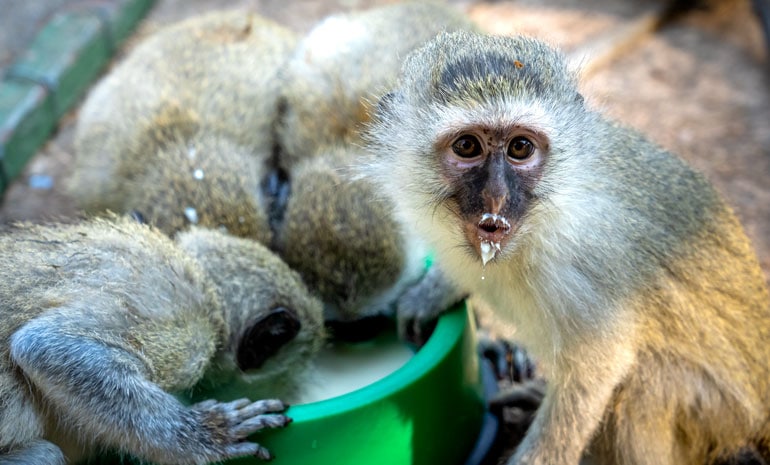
(102, 321)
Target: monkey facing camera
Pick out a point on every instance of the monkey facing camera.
(103, 321)
(625, 273)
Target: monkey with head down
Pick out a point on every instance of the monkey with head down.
(104, 320)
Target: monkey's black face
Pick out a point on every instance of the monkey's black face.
(266, 337)
(493, 172)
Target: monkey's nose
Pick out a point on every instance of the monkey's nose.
(266, 337)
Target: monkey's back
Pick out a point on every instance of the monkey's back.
(343, 241)
(701, 299)
(113, 280)
(218, 71)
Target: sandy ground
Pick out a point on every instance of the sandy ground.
(699, 88)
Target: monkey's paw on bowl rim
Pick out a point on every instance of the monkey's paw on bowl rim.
(429, 411)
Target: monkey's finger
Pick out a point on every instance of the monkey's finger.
(261, 406)
(205, 405)
(527, 396)
(244, 449)
(241, 410)
(235, 404)
(523, 368)
(258, 423)
(498, 352)
(416, 329)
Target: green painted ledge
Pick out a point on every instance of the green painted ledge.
(60, 64)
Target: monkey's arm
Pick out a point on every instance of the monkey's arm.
(418, 309)
(103, 390)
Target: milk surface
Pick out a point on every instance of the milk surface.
(342, 367)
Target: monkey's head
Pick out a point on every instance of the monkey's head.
(275, 326)
(346, 245)
(466, 141)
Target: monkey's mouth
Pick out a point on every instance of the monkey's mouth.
(491, 231)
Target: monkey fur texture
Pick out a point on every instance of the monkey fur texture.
(345, 242)
(103, 320)
(182, 130)
(342, 64)
(626, 274)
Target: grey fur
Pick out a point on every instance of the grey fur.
(103, 321)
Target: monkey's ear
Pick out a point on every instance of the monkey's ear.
(266, 337)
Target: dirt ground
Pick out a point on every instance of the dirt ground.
(699, 88)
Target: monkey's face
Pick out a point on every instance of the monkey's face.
(492, 172)
(466, 143)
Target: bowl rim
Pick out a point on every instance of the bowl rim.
(445, 337)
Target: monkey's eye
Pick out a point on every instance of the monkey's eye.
(520, 148)
(467, 147)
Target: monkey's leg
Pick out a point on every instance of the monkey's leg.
(578, 392)
(103, 391)
(38, 452)
(638, 430)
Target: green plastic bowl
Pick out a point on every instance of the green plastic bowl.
(429, 411)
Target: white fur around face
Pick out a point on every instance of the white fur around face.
(508, 112)
(531, 281)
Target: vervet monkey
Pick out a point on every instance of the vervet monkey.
(182, 130)
(102, 321)
(626, 274)
(345, 242)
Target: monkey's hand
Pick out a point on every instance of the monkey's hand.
(521, 392)
(418, 309)
(230, 423)
(510, 362)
